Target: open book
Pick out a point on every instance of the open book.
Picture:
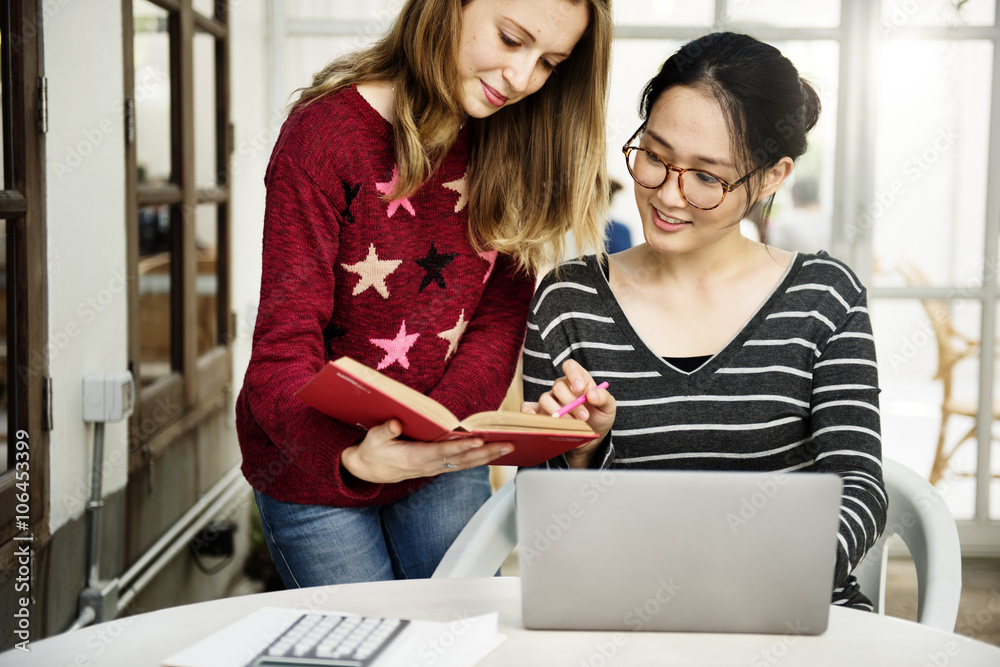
(356, 394)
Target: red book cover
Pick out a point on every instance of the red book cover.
(356, 394)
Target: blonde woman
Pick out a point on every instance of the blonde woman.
(415, 190)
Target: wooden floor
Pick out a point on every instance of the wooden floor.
(979, 610)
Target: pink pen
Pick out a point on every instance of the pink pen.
(577, 401)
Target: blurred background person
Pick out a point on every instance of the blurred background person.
(804, 227)
(619, 237)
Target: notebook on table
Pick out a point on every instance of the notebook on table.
(677, 550)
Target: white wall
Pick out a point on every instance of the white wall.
(86, 221)
(256, 128)
(87, 319)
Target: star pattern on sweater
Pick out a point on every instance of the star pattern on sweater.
(395, 348)
(373, 272)
(461, 187)
(434, 263)
(350, 192)
(331, 332)
(454, 334)
(490, 257)
(386, 188)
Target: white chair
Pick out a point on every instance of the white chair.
(485, 542)
(921, 518)
(917, 513)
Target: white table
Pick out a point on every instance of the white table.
(854, 639)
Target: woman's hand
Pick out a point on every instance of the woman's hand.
(382, 459)
(598, 410)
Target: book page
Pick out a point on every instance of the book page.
(519, 421)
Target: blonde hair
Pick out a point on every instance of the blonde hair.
(520, 207)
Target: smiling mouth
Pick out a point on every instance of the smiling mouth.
(492, 96)
(668, 220)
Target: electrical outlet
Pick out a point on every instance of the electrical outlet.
(108, 397)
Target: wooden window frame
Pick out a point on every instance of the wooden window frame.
(22, 206)
(198, 386)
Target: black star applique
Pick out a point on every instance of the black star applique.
(350, 192)
(434, 264)
(331, 332)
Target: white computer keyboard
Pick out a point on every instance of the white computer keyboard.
(331, 641)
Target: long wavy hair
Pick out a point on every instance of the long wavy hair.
(537, 169)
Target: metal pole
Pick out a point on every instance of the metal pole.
(94, 506)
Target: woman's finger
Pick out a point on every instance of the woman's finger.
(466, 459)
(484, 454)
(577, 376)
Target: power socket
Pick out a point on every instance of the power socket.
(108, 397)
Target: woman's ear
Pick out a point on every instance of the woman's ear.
(775, 176)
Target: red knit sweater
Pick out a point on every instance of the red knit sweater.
(397, 287)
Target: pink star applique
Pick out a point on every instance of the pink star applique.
(490, 256)
(386, 188)
(396, 348)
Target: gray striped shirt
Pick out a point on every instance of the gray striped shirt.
(795, 390)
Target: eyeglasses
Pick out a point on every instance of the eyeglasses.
(703, 190)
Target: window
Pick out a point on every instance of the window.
(22, 278)
(177, 152)
(930, 225)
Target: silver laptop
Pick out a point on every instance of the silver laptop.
(677, 550)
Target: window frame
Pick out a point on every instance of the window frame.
(22, 206)
(198, 386)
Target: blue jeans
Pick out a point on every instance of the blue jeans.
(318, 545)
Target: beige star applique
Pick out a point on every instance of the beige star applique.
(460, 186)
(373, 272)
(454, 335)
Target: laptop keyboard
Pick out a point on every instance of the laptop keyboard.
(330, 640)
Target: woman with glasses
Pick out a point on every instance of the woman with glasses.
(721, 353)
(414, 190)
